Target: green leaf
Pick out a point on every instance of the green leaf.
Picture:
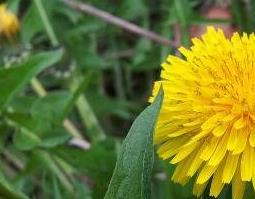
(16, 77)
(41, 123)
(7, 191)
(51, 107)
(26, 140)
(13, 5)
(132, 174)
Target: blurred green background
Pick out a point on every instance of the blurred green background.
(100, 77)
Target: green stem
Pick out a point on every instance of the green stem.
(120, 91)
(119, 81)
(88, 117)
(46, 23)
(38, 87)
(182, 18)
(17, 162)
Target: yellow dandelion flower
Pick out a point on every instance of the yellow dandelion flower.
(9, 23)
(206, 125)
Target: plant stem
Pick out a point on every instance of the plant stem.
(88, 117)
(38, 87)
(46, 23)
(17, 162)
(94, 129)
(105, 16)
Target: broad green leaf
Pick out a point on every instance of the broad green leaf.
(55, 137)
(132, 174)
(41, 123)
(22, 104)
(13, 5)
(51, 108)
(13, 79)
(26, 140)
(9, 192)
(24, 137)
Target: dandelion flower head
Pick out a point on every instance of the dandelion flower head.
(206, 125)
(9, 24)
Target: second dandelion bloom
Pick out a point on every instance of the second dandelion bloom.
(9, 23)
(206, 124)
